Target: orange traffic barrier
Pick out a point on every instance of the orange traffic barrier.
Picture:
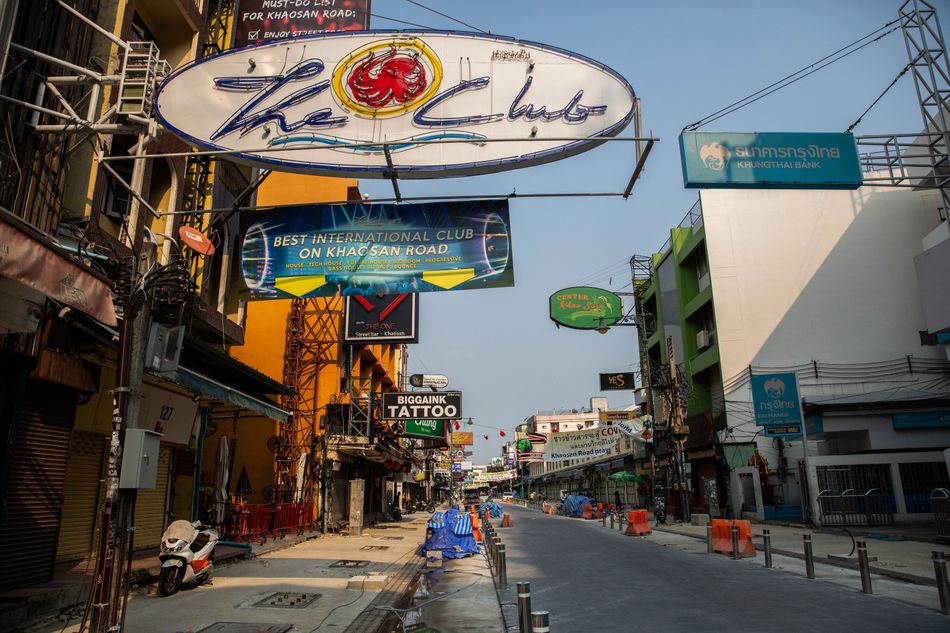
(506, 520)
(588, 512)
(476, 533)
(638, 523)
(600, 510)
(722, 537)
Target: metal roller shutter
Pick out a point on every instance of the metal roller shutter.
(150, 506)
(77, 533)
(33, 499)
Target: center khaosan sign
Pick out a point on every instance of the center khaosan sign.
(585, 308)
(326, 104)
(400, 405)
(368, 249)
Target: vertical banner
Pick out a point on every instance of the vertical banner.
(257, 21)
(375, 249)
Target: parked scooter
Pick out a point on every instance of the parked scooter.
(187, 555)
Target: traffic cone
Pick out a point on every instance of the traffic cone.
(506, 520)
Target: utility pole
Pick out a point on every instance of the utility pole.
(678, 432)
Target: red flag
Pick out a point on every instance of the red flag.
(457, 425)
(501, 433)
(485, 436)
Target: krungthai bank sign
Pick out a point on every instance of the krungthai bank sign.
(438, 100)
(769, 160)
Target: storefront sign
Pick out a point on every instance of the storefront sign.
(425, 428)
(769, 160)
(369, 249)
(775, 399)
(921, 420)
(381, 319)
(618, 381)
(788, 430)
(324, 104)
(429, 380)
(461, 438)
(259, 21)
(586, 444)
(585, 308)
(418, 406)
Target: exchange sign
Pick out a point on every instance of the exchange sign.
(585, 308)
(381, 103)
(415, 406)
(369, 249)
(775, 399)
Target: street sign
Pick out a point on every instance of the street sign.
(456, 467)
(789, 430)
(460, 454)
(617, 381)
(416, 406)
(775, 399)
(429, 380)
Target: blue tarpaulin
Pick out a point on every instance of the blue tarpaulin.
(573, 505)
(495, 510)
(445, 540)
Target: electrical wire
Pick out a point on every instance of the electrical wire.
(787, 80)
(445, 15)
(383, 17)
(881, 96)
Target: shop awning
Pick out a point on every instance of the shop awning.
(211, 387)
(30, 257)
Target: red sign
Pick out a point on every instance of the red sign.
(259, 21)
(195, 240)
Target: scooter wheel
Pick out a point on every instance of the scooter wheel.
(169, 580)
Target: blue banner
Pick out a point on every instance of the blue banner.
(366, 249)
(775, 400)
(921, 420)
(769, 160)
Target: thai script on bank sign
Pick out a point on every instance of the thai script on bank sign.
(803, 155)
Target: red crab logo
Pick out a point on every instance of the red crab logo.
(393, 78)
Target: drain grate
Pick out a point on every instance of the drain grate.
(390, 538)
(350, 563)
(246, 627)
(374, 548)
(287, 600)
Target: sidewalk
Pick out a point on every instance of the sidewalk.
(907, 560)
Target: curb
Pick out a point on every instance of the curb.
(397, 593)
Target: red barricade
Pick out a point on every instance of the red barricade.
(588, 512)
(638, 523)
(600, 510)
(722, 537)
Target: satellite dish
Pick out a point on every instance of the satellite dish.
(273, 443)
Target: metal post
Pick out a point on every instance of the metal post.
(497, 547)
(943, 590)
(502, 569)
(611, 521)
(539, 622)
(865, 567)
(735, 542)
(603, 520)
(809, 557)
(524, 607)
(709, 543)
(767, 539)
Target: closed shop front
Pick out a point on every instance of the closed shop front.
(33, 496)
(150, 506)
(84, 472)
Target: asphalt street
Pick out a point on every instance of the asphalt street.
(595, 579)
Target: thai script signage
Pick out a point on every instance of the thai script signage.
(775, 399)
(461, 438)
(586, 444)
(617, 381)
(325, 104)
(369, 249)
(770, 160)
(415, 406)
(381, 319)
(259, 21)
(585, 308)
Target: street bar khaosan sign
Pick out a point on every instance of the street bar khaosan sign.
(267, 20)
(381, 319)
(585, 308)
(425, 428)
(770, 160)
(368, 249)
(617, 381)
(325, 104)
(400, 405)
(589, 443)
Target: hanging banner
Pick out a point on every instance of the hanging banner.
(769, 160)
(629, 423)
(370, 249)
(586, 444)
(259, 21)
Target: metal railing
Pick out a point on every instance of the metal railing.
(874, 507)
(940, 502)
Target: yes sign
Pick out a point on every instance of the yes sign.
(326, 104)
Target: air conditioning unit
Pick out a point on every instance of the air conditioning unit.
(703, 339)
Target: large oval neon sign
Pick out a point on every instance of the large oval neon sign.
(328, 103)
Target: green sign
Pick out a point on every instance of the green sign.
(425, 428)
(769, 160)
(585, 308)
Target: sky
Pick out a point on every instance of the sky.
(685, 60)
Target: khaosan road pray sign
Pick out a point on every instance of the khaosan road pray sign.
(585, 308)
(369, 249)
(325, 104)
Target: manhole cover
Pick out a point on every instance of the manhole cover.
(374, 547)
(287, 600)
(246, 627)
(390, 538)
(350, 563)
